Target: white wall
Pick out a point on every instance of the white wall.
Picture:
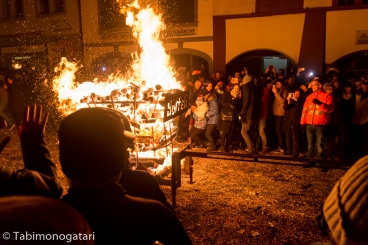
(341, 30)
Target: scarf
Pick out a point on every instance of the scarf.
(201, 110)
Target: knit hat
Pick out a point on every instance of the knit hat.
(93, 144)
(346, 207)
(220, 85)
(199, 100)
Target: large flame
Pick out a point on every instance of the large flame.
(150, 67)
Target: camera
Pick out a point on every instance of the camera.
(291, 95)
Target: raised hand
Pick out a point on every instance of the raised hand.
(33, 120)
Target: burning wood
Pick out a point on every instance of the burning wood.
(148, 94)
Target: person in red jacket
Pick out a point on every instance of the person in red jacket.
(315, 115)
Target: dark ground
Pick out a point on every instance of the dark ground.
(232, 202)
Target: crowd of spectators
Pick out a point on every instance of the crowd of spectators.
(322, 117)
(326, 118)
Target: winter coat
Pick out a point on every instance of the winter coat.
(227, 100)
(213, 111)
(336, 117)
(314, 114)
(252, 101)
(292, 116)
(347, 104)
(118, 218)
(263, 113)
(279, 102)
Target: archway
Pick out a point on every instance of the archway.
(257, 61)
(191, 59)
(352, 65)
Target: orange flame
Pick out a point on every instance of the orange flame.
(150, 66)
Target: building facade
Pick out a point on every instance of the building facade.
(39, 33)
(315, 34)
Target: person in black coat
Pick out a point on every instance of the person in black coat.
(347, 106)
(252, 103)
(291, 126)
(231, 105)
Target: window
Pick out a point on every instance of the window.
(45, 7)
(345, 2)
(5, 7)
(11, 9)
(18, 8)
(59, 6)
(50, 6)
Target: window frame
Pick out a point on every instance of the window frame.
(9, 7)
(52, 9)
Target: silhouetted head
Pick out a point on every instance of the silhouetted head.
(93, 144)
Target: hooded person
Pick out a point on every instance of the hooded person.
(346, 208)
(93, 146)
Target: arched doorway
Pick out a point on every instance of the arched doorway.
(257, 61)
(352, 65)
(191, 59)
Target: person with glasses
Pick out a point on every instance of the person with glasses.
(315, 116)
